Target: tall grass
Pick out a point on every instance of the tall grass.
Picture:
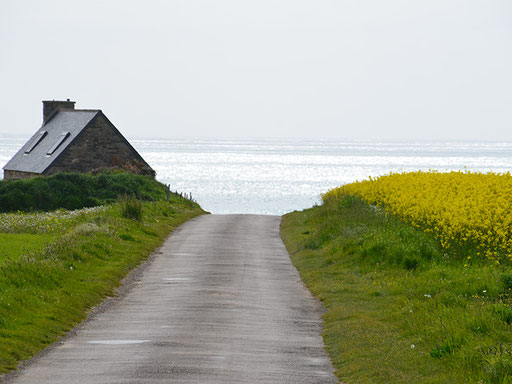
(131, 207)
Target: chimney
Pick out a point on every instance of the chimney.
(50, 106)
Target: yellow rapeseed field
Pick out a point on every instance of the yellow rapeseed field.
(469, 213)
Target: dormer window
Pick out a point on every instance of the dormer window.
(59, 141)
(39, 136)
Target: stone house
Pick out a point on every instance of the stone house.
(74, 140)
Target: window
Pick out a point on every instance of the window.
(37, 139)
(59, 141)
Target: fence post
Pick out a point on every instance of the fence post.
(168, 191)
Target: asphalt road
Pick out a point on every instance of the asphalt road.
(220, 302)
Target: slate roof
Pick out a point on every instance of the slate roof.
(37, 161)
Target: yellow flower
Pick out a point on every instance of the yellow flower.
(456, 207)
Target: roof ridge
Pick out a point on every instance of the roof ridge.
(80, 110)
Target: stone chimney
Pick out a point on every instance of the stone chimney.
(50, 106)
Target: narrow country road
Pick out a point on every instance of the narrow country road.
(219, 303)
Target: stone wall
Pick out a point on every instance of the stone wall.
(99, 147)
(18, 175)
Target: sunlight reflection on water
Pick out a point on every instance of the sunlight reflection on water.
(278, 176)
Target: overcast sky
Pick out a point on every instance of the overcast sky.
(360, 69)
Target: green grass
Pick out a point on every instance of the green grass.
(46, 292)
(14, 245)
(398, 309)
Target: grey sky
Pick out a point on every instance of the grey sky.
(429, 69)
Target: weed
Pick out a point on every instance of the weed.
(410, 263)
(506, 278)
(126, 237)
(446, 348)
(131, 207)
(503, 312)
(497, 370)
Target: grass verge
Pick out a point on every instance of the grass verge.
(399, 309)
(15, 245)
(46, 292)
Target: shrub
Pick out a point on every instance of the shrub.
(76, 191)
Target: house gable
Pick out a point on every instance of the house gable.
(99, 146)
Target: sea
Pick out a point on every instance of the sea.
(278, 176)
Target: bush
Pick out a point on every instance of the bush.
(76, 190)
